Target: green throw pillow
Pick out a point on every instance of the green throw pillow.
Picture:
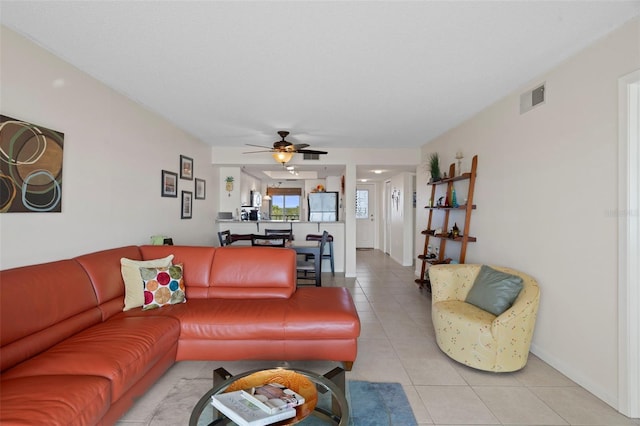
(494, 291)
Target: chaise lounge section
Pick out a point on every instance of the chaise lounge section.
(71, 355)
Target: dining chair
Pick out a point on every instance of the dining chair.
(306, 268)
(268, 240)
(329, 255)
(224, 237)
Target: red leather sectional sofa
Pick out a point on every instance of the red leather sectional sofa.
(69, 355)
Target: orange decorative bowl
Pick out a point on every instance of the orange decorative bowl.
(294, 381)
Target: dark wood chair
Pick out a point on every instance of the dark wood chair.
(268, 240)
(306, 268)
(329, 255)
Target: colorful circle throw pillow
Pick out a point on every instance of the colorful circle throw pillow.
(163, 286)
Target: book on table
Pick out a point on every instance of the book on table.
(273, 397)
(245, 413)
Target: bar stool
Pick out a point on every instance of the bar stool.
(318, 237)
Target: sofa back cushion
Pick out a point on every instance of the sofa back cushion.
(103, 268)
(253, 273)
(232, 272)
(196, 261)
(41, 305)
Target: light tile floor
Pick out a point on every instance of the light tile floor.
(397, 345)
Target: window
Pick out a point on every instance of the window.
(362, 203)
(285, 203)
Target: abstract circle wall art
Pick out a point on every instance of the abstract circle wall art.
(30, 167)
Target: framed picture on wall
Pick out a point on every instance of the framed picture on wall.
(169, 184)
(186, 167)
(201, 189)
(187, 205)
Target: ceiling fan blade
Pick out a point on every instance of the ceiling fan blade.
(311, 151)
(259, 146)
(299, 146)
(253, 152)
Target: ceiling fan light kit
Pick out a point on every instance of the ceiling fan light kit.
(282, 157)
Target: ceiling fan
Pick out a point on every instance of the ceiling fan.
(283, 150)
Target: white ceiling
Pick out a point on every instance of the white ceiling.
(351, 74)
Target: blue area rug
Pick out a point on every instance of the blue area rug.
(379, 404)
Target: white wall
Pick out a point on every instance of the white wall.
(114, 151)
(546, 193)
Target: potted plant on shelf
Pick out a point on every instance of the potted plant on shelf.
(434, 167)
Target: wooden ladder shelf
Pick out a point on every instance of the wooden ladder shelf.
(445, 211)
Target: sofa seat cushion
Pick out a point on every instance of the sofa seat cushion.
(463, 331)
(227, 319)
(321, 313)
(48, 400)
(121, 349)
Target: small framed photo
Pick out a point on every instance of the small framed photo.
(201, 189)
(169, 184)
(187, 205)
(186, 167)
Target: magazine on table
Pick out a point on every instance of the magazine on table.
(273, 397)
(244, 413)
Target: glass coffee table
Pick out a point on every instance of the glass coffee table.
(325, 401)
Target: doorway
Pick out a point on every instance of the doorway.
(365, 217)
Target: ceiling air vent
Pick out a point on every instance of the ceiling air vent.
(532, 98)
(311, 156)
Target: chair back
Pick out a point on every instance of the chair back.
(323, 242)
(224, 237)
(268, 240)
(286, 232)
(239, 237)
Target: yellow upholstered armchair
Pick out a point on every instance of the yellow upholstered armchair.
(474, 336)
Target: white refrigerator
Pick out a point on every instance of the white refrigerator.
(323, 206)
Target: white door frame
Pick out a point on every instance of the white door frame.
(629, 245)
(386, 203)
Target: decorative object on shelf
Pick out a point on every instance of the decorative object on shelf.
(187, 205)
(201, 189)
(31, 167)
(169, 184)
(229, 184)
(440, 202)
(186, 167)
(459, 157)
(455, 231)
(434, 167)
(454, 200)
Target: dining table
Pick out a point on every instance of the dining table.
(312, 248)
